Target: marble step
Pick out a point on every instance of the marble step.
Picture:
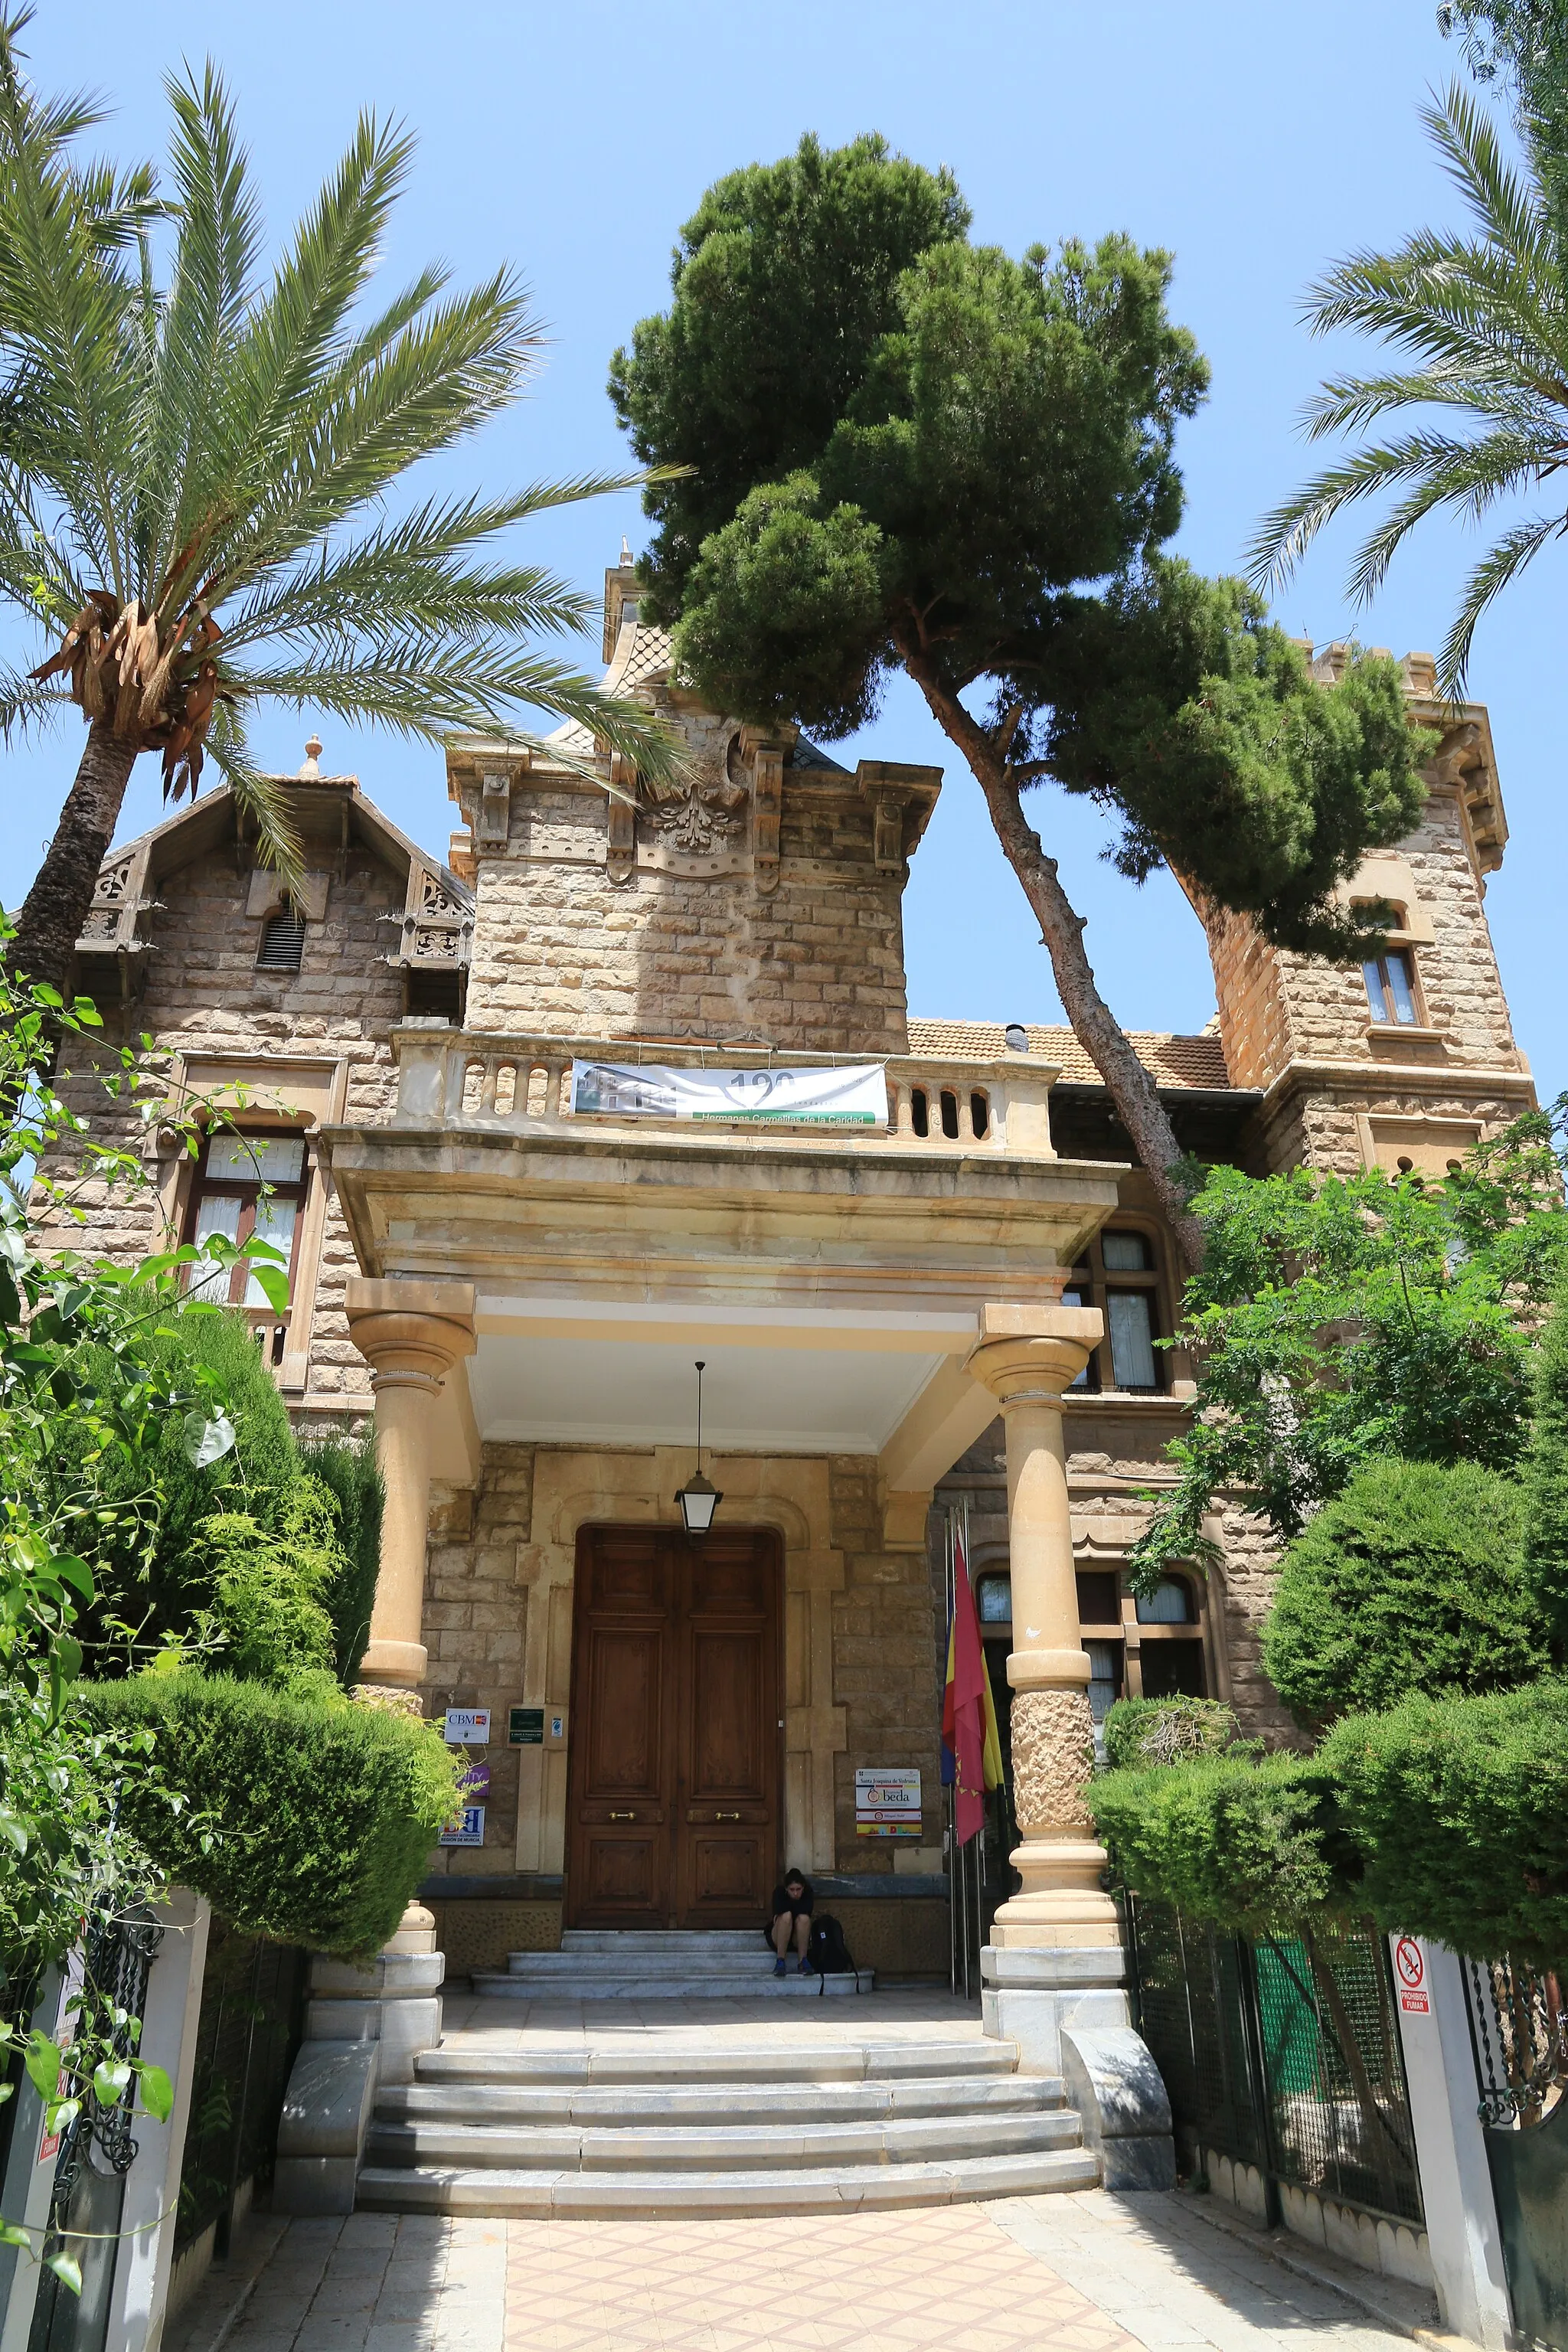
(638, 1958)
(790, 2104)
(779, 2147)
(649, 2195)
(655, 1984)
(663, 2061)
(655, 1939)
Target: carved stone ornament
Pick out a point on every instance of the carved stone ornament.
(705, 810)
(1053, 1755)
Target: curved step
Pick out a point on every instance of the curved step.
(729, 2147)
(629, 2105)
(652, 2195)
(661, 2058)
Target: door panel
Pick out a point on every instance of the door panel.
(726, 1856)
(673, 1789)
(623, 1752)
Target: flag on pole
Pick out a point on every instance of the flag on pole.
(971, 1745)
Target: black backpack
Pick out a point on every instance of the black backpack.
(830, 1952)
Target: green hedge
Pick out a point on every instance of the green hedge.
(1250, 1844)
(305, 1818)
(1143, 1732)
(1460, 1807)
(1411, 1581)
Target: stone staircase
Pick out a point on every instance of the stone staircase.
(607, 1964)
(649, 2125)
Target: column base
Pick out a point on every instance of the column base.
(402, 1664)
(1068, 2011)
(1029, 1992)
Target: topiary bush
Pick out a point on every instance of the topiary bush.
(349, 1469)
(1251, 1845)
(1546, 1481)
(1460, 1807)
(1140, 1732)
(271, 1586)
(1412, 1580)
(299, 1814)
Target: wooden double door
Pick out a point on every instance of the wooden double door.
(672, 1797)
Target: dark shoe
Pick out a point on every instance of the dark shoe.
(778, 1968)
(805, 1966)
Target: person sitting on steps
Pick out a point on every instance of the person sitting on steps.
(791, 1922)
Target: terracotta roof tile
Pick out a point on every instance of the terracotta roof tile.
(1173, 1061)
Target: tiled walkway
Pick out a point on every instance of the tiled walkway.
(1089, 2272)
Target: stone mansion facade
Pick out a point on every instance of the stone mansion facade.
(955, 1316)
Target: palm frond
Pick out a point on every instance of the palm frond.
(414, 689)
(28, 708)
(1502, 565)
(219, 219)
(1486, 319)
(456, 366)
(258, 795)
(1506, 207)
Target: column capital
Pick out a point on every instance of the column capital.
(1030, 1354)
(410, 1333)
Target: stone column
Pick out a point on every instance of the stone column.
(1027, 1356)
(411, 1334)
(1053, 1977)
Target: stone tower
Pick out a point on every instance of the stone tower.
(756, 899)
(1408, 1061)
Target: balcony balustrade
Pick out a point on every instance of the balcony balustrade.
(522, 1085)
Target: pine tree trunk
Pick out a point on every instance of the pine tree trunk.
(56, 908)
(1096, 1027)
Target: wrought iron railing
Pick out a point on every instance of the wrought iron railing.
(1520, 2030)
(1282, 2053)
(246, 2035)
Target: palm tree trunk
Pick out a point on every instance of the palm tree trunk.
(1096, 1027)
(56, 908)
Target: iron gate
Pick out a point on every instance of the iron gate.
(1520, 2030)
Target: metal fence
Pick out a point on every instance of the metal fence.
(1282, 2053)
(1519, 2027)
(252, 2011)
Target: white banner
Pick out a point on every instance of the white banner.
(853, 1096)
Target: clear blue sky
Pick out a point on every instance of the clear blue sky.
(1256, 141)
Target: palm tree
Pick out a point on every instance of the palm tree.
(1483, 320)
(193, 488)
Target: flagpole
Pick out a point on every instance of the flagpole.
(950, 1791)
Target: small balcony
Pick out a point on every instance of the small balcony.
(521, 1085)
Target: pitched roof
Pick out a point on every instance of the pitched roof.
(1171, 1061)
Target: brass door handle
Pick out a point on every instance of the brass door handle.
(623, 1817)
(726, 1817)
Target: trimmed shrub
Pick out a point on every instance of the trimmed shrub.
(1140, 1732)
(304, 1817)
(1412, 1580)
(1460, 1807)
(352, 1473)
(1546, 1481)
(270, 1587)
(1250, 1844)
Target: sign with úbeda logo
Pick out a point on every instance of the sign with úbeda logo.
(887, 1802)
(466, 1829)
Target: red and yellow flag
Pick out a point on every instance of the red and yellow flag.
(969, 1713)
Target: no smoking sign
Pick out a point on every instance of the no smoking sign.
(1410, 1969)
